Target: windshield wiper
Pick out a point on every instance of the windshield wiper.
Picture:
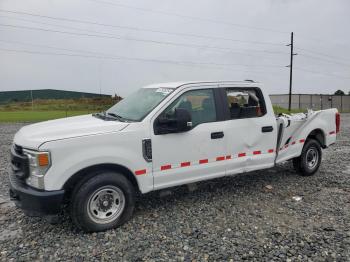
(111, 116)
(103, 115)
(120, 118)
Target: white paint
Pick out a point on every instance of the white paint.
(79, 142)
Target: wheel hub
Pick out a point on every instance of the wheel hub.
(312, 158)
(106, 204)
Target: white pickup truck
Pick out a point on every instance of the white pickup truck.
(162, 135)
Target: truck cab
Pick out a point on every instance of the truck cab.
(161, 136)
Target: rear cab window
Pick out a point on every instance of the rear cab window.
(245, 103)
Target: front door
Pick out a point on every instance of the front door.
(197, 154)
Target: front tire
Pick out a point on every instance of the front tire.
(310, 159)
(105, 201)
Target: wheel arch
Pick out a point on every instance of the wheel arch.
(88, 172)
(319, 136)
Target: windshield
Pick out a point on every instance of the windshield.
(137, 105)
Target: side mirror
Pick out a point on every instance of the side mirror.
(180, 121)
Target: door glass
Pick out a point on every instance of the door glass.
(199, 103)
(244, 103)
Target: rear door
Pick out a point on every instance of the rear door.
(197, 154)
(251, 131)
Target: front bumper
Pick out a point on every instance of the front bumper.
(34, 202)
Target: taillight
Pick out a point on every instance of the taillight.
(337, 122)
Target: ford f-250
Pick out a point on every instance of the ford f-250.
(162, 135)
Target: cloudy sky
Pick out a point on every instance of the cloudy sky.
(119, 46)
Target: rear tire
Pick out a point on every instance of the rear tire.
(310, 159)
(105, 201)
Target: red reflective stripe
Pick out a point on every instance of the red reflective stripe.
(203, 161)
(165, 167)
(302, 140)
(270, 151)
(337, 122)
(241, 154)
(228, 157)
(331, 133)
(293, 143)
(220, 158)
(140, 172)
(183, 164)
(257, 152)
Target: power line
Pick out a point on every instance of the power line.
(79, 29)
(112, 55)
(179, 63)
(325, 60)
(189, 17)
(321, 54)
(292, 54)
(51, 47)
(98, 55)
(135, 28)
(163, 32)
(319, 41)
(138, 39)
(320, 73)
(201, 19)
(106, 35)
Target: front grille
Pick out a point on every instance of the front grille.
(19, 162)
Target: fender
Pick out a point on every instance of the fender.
(73, 155)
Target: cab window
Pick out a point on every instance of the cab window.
(245, 103)
(199, 103)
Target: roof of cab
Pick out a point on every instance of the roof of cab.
(183, 83)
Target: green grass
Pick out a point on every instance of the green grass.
(49, 109)
(60, 105)
(37, 116)
(52, 109)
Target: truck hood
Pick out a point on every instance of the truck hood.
(32, 136)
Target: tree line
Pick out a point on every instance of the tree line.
(340, 92)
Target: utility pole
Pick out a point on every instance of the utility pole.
(291, 70)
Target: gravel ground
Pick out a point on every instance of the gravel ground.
(251, 217)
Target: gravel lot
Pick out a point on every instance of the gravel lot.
(251, 217)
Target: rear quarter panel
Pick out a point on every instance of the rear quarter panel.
(298, 131)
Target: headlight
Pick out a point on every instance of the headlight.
(39, 163)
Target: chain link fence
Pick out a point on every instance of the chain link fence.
(315, 102)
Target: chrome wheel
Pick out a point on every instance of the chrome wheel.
(106, 204)
(312, 158)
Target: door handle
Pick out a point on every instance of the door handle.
(266, 129)
(217, 135)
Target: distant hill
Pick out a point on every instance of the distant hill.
(26, 95)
